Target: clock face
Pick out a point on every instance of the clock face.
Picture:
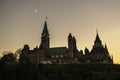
(44, 34)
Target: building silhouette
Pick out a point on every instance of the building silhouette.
(63, 55)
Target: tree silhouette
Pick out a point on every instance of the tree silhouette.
(8, 58)
(17, 53)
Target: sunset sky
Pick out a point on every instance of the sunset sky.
(22, 21)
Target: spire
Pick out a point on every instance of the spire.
(112, 56)
(97, 40)
(74, 43)
(74, 40)
(45, 30)
(105, 46)
(69, 36)
(106, 50)
(45, 40)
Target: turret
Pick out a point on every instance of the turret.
(26, 49)
(74, 44)
(70, 42)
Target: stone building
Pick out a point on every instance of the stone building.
(99, 53)
(63, 55)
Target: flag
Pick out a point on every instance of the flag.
(46, 17)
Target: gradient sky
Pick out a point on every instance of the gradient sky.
(22, 21)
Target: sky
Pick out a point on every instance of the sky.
(22, 21)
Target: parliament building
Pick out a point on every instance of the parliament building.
(44, 54)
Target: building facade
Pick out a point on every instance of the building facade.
(63, 55)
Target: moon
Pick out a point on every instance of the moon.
(36, 10)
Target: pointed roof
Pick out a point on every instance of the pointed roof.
(97, 39)
(74, 40)
(106, 49)
(45, 30)
(105, 46)
(70, 36)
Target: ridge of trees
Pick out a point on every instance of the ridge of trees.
(13, 69)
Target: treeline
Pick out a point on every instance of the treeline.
(12, 68)
(59, 72)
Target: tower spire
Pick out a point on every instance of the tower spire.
(106, 49)
(70, 36)
(45, 30)
(105, 46)
(45, 41)
(97, 40)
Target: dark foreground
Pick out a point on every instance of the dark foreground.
(60, 72)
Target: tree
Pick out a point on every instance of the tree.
(8, 58)
(18, 52)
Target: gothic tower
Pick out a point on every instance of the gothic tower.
(74, 44)
(45, 40)
(70, 42)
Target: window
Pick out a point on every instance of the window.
(53, 56)
(61, 56)
(57, 56)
